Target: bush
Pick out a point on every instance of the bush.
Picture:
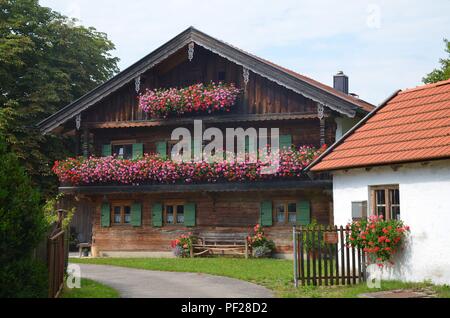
(25, 278)
(311, 236)
(22, 227)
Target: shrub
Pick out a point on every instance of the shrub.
(22, 226)
(379, 238)
(311, 237)
(23, 278)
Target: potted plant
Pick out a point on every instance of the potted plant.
(260, 245)
(181, 246)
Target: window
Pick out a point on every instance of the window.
(174, 213)
(124, 151)
(385, 201)
(121, 213)
(285, 212)
(359, 210)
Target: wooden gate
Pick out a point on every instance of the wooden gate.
(323, 257)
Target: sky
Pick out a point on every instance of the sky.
(381, 45)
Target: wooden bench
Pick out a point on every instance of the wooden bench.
(220, 243)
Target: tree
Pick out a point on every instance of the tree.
(443, 73)
(46, 61)
(22, 227)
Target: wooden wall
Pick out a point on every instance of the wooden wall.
(261, 95)
(224, 211)
(303, 132)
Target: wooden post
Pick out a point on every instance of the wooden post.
(294, 242)
(85, 145)
(246, 248)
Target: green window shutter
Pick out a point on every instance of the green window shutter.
(161, 149)
(138, 151)
(189, 214)
(265, 212)
(106, 214)
(303, 213)
(136, 214)
(106, 150)
(285, 141)
(157, 215)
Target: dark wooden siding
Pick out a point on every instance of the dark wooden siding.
(261, 96)
(219, 212)
(304, 132)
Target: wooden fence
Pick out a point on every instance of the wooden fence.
(56, 263)
(322, 257)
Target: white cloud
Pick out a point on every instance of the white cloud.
(316, 37)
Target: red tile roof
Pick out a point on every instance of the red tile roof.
(412, 126)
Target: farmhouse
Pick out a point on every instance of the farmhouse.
(396, 163)
(130, 196)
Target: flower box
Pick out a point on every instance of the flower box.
(198, 98)
(152, 169)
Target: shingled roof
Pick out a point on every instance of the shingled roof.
(321, 93)
(412, 126)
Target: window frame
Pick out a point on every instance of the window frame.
(175, 204)
(387, 202)
(127, 142)
(285, 203)
(122, 204)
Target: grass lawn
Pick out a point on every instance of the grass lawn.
(274, 274)
(90, 289)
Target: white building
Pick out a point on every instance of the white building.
(396, 162)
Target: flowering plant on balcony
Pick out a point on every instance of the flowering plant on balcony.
(182, 245)
(379, 238)
(153, 169)
(198, 98)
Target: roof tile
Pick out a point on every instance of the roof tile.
(412, 126)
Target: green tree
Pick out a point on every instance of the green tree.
(22, 227)
(46, 61)
(442, 73)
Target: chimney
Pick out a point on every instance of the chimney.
(340, 82)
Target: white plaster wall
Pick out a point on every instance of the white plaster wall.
(424, 206)
(344, 124)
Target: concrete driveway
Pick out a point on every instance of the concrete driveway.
(140, 283)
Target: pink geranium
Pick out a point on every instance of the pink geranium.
(198, 98)
(153, 169)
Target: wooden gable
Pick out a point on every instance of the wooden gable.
(260, 95)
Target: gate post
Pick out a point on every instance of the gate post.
(294, 240)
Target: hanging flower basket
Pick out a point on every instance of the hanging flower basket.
(198, 98)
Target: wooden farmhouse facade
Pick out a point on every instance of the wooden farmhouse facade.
(144, 217)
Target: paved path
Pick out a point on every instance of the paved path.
(132, 283)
